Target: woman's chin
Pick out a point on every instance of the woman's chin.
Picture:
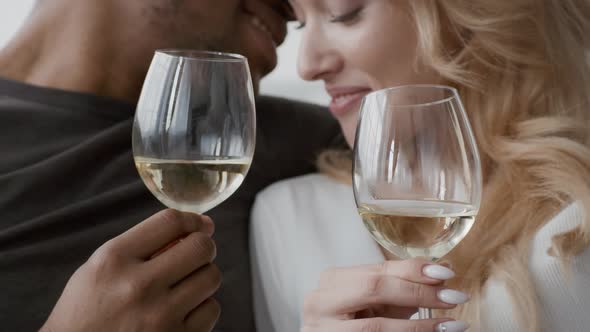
(348, 124)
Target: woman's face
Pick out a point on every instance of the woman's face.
(355, 47)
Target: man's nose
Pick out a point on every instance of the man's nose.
(282, 7)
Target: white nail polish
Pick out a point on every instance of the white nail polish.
(438, 272)
(452, 326)
(451, 296)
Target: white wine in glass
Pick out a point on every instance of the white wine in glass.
(417, 173)
(195, 128)
(192, 185)
(410, 229)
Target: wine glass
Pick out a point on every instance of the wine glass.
(195, 128)
(417, 174)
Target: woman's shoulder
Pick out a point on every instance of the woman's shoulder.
(567, 219)
(560, 283)
(542, 259)
(563, 294)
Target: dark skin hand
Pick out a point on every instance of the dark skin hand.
(139, 287)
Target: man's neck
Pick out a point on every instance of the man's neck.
(59, 51)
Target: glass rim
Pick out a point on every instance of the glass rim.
(454, 91)
(198, 55)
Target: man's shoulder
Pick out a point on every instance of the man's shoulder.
(277, 108)
(280, 117)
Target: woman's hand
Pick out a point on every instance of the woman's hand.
(382, 298)
(145, 280)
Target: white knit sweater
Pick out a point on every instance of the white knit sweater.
(303, 226)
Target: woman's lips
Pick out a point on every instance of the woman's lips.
(345, 100)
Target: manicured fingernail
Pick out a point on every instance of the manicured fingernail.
(452, 326)
(438, 272)
(451, 296)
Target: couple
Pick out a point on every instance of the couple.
(68, 182)
(522, 70)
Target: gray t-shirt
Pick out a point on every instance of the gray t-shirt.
(68, 184)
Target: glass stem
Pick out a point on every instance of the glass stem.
(424, 313)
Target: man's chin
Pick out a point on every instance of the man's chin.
(258, 70)
(260, 51)
(261, 65)
(256, 84)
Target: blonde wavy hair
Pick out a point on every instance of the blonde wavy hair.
(523, 71)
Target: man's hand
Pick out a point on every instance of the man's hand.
(130, 284)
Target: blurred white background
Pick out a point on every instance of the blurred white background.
(282, 82)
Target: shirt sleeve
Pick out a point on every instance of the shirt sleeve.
(273, 267)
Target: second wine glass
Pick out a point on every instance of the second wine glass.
(417, 173)
(195, 128)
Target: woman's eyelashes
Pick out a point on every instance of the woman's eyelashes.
(347, 18)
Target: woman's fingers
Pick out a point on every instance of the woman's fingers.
(366, 290)
(372, 297)
(389, 325)
(415, 270)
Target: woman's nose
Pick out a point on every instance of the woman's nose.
(317, 59)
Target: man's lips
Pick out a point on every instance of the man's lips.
(345, 99)
(260, 48)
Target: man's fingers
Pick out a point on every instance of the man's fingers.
(385, 324)
(204, 317)
(158, 231)
(195, 289)
(188, 255)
